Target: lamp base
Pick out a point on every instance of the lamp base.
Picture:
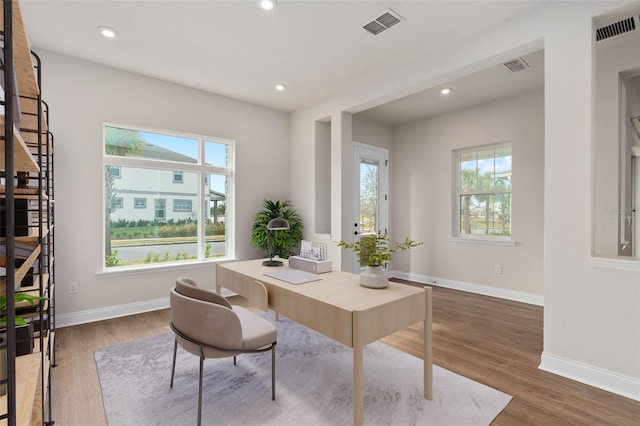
(272, 263)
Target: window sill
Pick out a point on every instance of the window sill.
(616, 263)
(159, 267)
(487, 241)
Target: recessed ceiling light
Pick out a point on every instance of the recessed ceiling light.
(445, 91)
(107, 32)
(280, 87)
(267, 4)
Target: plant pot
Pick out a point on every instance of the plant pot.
(374, 277)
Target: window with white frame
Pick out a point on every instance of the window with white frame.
(483, 191)
(188, 180)
(181, 205)
(139, 203)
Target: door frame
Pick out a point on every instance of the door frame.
(376, 153)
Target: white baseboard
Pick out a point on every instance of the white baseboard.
(517, 296)
(92, 315)
(597, 377)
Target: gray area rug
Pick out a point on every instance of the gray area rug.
(313, 386)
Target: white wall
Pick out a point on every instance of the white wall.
(423, 185)
(612, 57)
(82, 95)
(592, 313)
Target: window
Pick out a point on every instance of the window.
(483, 195)
(139, 203)
(189, 222)
(160, 206)
(181, 205)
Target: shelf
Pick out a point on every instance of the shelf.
(36, 416)
(23, 159)
(21, 272)
(24, 193)
(27, 379)
(32, 153)
(28, 384)
(33, 239)
(25, 73)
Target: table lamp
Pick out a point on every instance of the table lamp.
(277, 224)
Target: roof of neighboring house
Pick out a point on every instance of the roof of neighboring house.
(159, 153)
(216, 196)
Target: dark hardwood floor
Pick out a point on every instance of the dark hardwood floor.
(493, 341)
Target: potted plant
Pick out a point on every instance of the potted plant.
(283, 241)
(19, 321)
(373, 251)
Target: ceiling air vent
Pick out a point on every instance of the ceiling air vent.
(383, 22)
(615, 29)
(516, 65)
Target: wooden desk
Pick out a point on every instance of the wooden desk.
(338, 307)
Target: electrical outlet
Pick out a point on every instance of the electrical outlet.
(497, 269)
(73, 287)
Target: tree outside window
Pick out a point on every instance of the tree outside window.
(483, 191)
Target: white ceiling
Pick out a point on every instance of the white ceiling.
(235, 49)
(493, 83)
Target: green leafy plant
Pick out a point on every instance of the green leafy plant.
(111, 259)
(283, 241)
(375, 249)
(19, 297)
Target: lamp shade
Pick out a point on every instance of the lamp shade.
(278, 224)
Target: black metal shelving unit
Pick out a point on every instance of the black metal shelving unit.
(28, 234)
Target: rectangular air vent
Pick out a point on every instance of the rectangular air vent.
(516, 65)
(386, 20)
(616, 29)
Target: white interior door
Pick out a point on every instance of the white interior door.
(371, 183)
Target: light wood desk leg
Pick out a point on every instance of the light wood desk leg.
(277, 316)
(358, 379)
(428, 348)
(218, 288)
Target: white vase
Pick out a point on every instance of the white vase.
(374, 277)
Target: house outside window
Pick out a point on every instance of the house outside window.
(483, 192)
(188, 178)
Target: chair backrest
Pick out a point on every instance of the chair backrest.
(207, 322)
(188, 287)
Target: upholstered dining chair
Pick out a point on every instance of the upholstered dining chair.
(206, 325)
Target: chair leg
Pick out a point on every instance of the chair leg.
(234, 360)
(173, 367)
(273, 372)
(200, 388)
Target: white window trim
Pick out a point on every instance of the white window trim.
(456, 236)
(490, 241)
(229, 171)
